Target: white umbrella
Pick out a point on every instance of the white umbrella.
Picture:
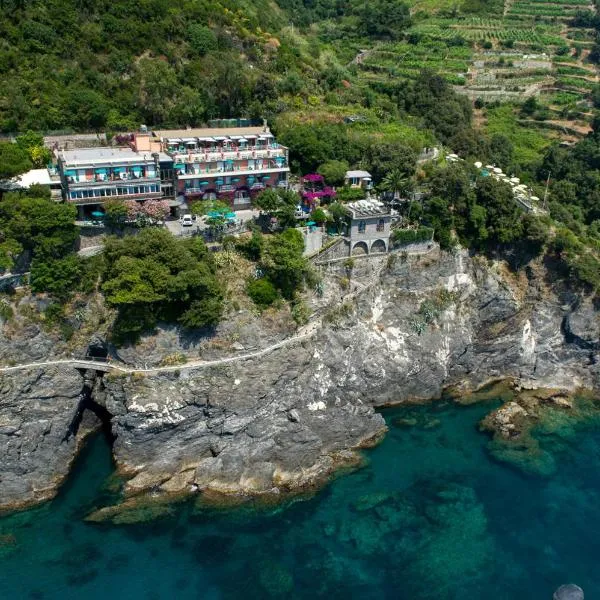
(535, 198)
(497, 170)
(514, 180)
(478, 165)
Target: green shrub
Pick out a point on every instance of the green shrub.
(262, 292)
(6, 310)
(300, 312)
(401, 237)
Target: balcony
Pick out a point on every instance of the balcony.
(102, 199)
(95, 183)
(210, 156)
(237, 172)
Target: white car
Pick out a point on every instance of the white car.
(186, 221)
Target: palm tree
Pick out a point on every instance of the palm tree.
(398, 182)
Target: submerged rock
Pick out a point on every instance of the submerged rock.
(570, 591)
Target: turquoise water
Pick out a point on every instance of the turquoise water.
(431, 515)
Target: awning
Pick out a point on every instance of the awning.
(219, 182)
(71, 173)
(250, 137)
(188, 140)
(119, 169)
(206, 139)
(203, 183)
(180, 166)
(101, 171)
(220, 138)
(235, 179)
(174, 141)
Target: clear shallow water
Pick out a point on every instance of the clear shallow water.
(432, 515)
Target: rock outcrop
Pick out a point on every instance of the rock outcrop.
(285, 420)
(37, 411)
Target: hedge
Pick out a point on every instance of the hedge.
(401, 237)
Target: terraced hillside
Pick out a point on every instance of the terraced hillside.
(522, 49)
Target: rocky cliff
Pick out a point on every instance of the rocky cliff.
(286, 419)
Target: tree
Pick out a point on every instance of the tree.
(319, 216)
(529, 106)
(262, 292)
(158, 85)
(396, 181)
(387, 157)
(384, 18)
(153, 276)
(334, 171)
(115, 213)
(338, 214)
(280, 204)
(283, 261)
(14, 160)
(33, 144)
(201, 39)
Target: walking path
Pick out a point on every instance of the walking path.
(305, 332)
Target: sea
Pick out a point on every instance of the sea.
(435, 512)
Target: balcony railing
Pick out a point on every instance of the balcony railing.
(101, 199)
(111, 182)
(211, 156)
(238, 171)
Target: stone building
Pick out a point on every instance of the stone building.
(369, 229)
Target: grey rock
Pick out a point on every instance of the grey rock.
(284, 420)
(37, 408)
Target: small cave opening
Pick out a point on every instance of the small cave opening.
(91, 413)
(97, 349)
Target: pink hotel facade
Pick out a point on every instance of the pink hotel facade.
(232, 164)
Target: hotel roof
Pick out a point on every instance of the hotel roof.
(210, 132)
(106, 156)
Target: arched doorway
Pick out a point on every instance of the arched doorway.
(360, 249)
(378, 247)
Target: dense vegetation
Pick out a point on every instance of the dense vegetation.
(99, 64)
(42, 235)
(153, 276)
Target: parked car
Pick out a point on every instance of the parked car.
(186, 221)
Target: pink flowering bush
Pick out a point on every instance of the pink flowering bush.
(147, 212)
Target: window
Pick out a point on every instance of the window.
(362, 226)
(381, 225)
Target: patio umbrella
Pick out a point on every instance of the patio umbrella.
(97, 213)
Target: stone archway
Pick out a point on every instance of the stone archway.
(378, 247)
(360, 249)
